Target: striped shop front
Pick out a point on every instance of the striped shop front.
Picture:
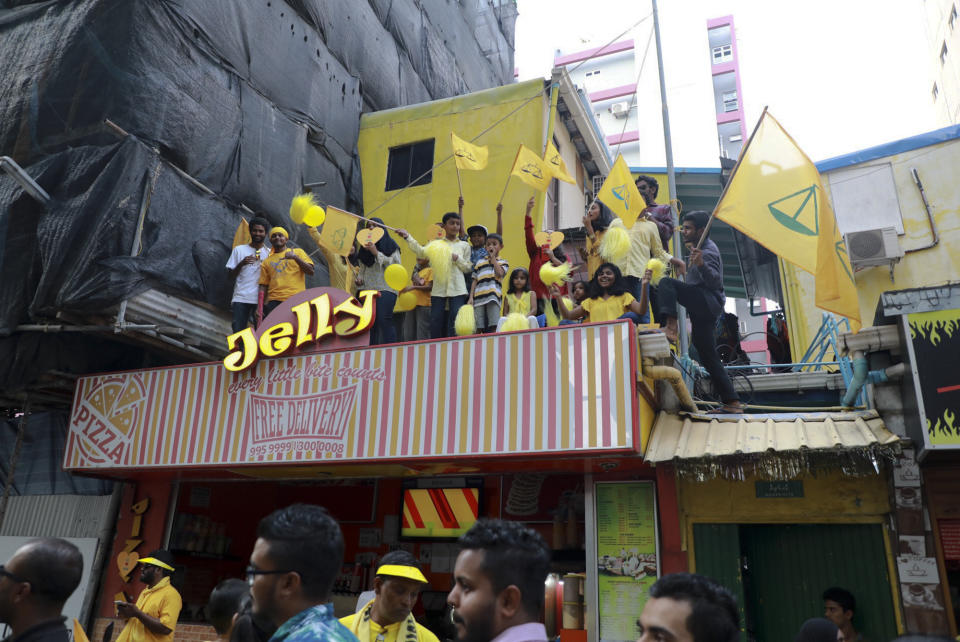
(568, 389)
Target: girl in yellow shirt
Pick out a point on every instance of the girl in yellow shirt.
(607, 299)
(519, 298)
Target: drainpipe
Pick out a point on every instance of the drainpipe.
(926, 206)
(859, 344)
(674, 378)
(861, 376)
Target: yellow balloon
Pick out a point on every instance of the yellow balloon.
(396, 276)
(407, 301)
(314, 216)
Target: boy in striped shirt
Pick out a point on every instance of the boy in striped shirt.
(486, 293)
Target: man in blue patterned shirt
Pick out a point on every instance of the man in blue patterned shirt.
(295, 560)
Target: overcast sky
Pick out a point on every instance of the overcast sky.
(840, 75)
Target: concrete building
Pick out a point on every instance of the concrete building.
(943, 46)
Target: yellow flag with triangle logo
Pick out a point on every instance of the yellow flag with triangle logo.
(339, 229)
(556, 164)
(531, 169)
(620, 193)
(467, 155)
(776, 197)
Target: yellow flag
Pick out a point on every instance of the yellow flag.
(242, 235)
(620, 193)
(556, 164)
(532, 169)
(79, 635)
(776, 198)
(836, 287)
(773, 196)
(467, 155)
(338, 231)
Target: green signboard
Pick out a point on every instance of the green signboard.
(627, 562)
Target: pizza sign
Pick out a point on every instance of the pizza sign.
(104, 422)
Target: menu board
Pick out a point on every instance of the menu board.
(627, 562)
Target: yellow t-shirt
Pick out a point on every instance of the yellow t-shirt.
(389, 632)
(517, 303)
(423, 296)
(283, 277)
(162, 602)
(601, 309)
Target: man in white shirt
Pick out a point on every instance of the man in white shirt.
(244, 267)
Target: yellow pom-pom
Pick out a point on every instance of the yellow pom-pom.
(466, 322)
(440, 255)
(552, 274)
(299, 207)
(615, 243)
(657, 267)
(515, 321)
(396, 276)
(567, 301)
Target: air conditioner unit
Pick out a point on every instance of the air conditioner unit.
(620, 110)
(873, 247)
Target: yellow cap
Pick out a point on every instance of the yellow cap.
(274, 230)
(407, 572)
(155, 562)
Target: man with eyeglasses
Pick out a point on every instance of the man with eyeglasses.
(34, 585)
(154, 617)
(295, 560)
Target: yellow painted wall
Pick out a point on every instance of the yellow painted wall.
(936, 165)
(417, 207)
(828, 497)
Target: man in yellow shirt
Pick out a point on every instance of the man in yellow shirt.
(388, 617)
(154, 617)
(284, 272)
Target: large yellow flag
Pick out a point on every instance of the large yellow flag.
(556, 164)
(532, 169)
(620, 193)
(466, 155)
(836, 287)
(775, 197)
(338, 231)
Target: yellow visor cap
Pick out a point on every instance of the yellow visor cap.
(406, 572)
(155, 562)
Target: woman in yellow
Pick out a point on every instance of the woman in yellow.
(608, 298)
(595, 222)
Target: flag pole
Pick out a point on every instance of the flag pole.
(510, 175)
(671, 174)
(459, 184)
(743, 152)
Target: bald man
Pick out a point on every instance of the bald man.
(34, 585)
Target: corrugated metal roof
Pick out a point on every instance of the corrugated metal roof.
(701, 436)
